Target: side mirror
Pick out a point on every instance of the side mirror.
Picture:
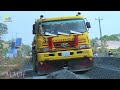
(88, 25)
(34, 30)
(33, 26)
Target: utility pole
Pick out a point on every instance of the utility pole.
(99, 20)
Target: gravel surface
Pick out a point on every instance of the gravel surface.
(103, 73)
(105, 68)
(61, 74)
(65, 74)
(36, 77)
(110, 61)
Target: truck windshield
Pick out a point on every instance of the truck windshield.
(64, 26)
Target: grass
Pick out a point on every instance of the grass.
(10, 65)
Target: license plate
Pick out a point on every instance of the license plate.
(65, 53)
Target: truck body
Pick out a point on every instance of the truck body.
(61, 42)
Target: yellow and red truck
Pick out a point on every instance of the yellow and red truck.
(61, 42)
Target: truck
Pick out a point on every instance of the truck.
(61, 42)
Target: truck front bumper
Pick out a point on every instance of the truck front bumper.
(53, 56)
(79, 60)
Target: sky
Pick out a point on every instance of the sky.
(22, 21)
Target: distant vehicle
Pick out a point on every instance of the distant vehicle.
(96, 54)
(110, 54)
(61, 42)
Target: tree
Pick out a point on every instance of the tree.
(113, 37)
(118, 35)
(105, 37)
(3, 29)
(117, 52)
(94, 43)
(26, 49)
(1, 46)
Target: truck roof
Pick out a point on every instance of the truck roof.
(60, 18)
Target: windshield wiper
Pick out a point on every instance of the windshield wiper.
(50, 34)
(75, 32)
(63, 33)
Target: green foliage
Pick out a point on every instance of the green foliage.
(26, 49)
(94, 44)
(3, 29)
(113, 37)
(1, 46)
(116, 52)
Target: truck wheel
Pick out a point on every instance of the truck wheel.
(35, 66)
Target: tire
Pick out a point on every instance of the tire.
(35, 66)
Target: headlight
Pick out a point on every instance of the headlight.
(84, 46)
(81, 46)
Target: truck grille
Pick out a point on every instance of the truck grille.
(63, 44)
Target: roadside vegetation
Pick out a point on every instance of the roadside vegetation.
(105, 38)
(11, 64)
